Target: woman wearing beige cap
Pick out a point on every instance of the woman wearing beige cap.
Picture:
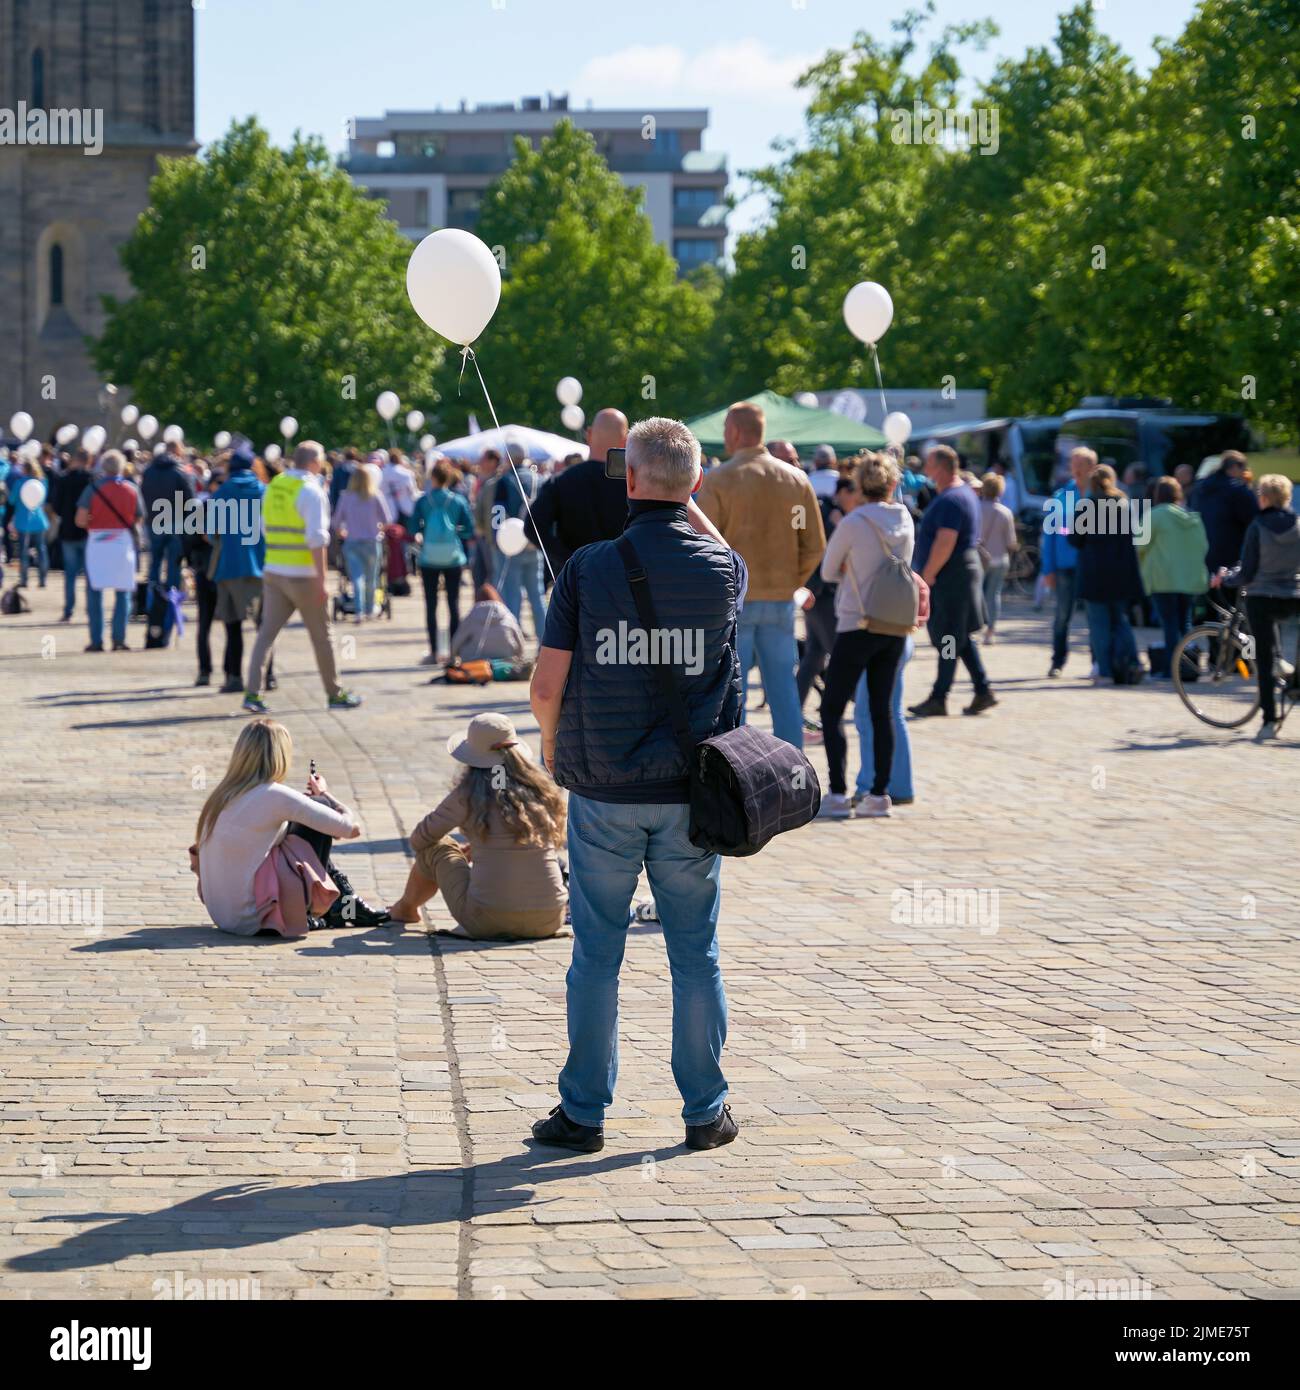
(507, 883)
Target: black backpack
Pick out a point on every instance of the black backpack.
(747, 786)
(12, 602)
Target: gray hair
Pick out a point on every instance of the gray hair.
(665, 453)
(309, 451)
(110, 463)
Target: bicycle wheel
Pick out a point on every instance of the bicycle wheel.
(1224, 692)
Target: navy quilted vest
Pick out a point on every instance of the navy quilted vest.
(614, 741)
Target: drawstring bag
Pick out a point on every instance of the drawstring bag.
(746, 786)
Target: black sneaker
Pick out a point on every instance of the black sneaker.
(980, 703)
(95, 647)
(204, 678)
(232, 685)
(722, 1131)
(931, 708)
(557, 1131)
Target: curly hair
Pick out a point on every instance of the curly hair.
(528, 801)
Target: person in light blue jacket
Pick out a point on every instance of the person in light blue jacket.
(1059, 560)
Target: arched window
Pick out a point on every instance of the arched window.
(56, 275)
(38, 79)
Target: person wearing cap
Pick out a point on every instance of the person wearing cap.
(506, 884)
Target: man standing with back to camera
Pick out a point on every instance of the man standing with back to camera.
(607, 737)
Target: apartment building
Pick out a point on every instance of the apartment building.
(431, 167)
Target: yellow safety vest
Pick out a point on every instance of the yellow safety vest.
(286, 531)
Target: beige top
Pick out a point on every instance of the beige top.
(504, 874)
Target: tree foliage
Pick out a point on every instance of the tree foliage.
(265, 284)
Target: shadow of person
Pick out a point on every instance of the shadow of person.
(248, 1214)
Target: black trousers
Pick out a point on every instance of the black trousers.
(450, 577)
(854, 652)
(819, 639)
(317, 839)
(232, 663)
(1264, 613)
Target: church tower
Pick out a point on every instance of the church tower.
(92, 93)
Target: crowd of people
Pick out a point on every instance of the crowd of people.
(815, 577)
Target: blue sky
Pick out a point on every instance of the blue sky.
(311, 64)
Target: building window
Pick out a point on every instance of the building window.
(693, 251)
(668, 141)
(38, 79)
(463, 207)
(694, 199)
(56, 276)
(421, 207)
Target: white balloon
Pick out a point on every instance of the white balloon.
(32, 494)
(868, 311)
(511, 539)
(129, 446)
(94, 438)
(897, 427)
(454, 284)
(148, 427)
(173, 434)
(271, 453)
(30, 450)
(66, 434)
(573, 417)
(415, 420)
(427, 441)
(568, 390)
(158, 448)
(288, 427)
(387, 404)
(808, 398)
(222, 439)
(130, 414)
(20, 425)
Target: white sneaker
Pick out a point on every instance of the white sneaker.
(1266, 733)
(874, 806)
(835, 806)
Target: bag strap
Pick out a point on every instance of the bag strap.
(665, 676)
(108, 502)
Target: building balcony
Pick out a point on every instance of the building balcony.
(365, 166)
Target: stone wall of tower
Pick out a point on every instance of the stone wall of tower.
(132, 60)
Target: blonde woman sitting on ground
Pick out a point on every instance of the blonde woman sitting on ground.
(507, 882)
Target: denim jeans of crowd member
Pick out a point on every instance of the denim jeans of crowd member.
(1114, 647)
(95, 614)
(361, 560)
(29, 542)
(607, 844)
(765, 632)
(164, 552)
(74, 563)
(900, 774)
(522, 574)
(1174, 614)
(995, 576)
(1067, 592)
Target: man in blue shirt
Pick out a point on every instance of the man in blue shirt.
(608, 738)
(1058, 558)
(947, 558)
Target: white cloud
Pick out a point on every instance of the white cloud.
(667, 74)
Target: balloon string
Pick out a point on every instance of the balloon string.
(541, 544)
(464, 354)
(884, 407)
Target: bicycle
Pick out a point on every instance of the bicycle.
(1213, 670)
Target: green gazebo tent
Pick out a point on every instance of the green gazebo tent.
(804, 426)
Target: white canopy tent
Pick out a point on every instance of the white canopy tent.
(539, 444)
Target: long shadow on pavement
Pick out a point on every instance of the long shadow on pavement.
(248, 1214)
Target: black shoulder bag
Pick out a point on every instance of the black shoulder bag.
(746, 785)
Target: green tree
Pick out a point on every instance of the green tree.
(265, 284)
(586, 292)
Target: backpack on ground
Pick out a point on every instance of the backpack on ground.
(12, 601)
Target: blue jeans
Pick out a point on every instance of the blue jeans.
(74, 563)
(362, 561)
(766, 631)
(1174, 613)
(33, 540)
(994, 578)
(522, 574)
(162, 548)
(95, 613)
(1067, 591)
(608, 844)
(900, 773)
(1113, 645)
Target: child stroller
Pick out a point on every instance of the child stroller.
(396, 560)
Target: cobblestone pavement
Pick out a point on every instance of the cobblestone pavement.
(1036, 1031)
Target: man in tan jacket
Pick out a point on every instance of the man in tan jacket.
(768, 512)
